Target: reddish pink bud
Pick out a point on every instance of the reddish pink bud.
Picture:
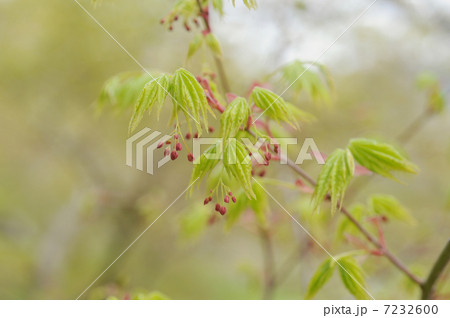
(276, 148)
(230, 193)
(188, 136)
(223, 210)
(186, 26)
(234, 199)
(217, 207)
(262, 173)
(211, 129)
(160, 144)
(196, 22)
(226, 199)
(173, 155)
(196, 135)
(209, 199)
(166, 151)
(162, 21)
(170, 28)
(175, 18)
(206, 201)
(168, 142)
(175, 136)
(268, 156)
(190, 157)
(178, 147)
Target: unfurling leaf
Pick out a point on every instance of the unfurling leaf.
(259, 203)
(313, 79)
(389, 206)
(189, 97)
(194, 45)
(154, 91)
(237, 163)
(206, 163)
(234, 116)
(250, 4)
(123, 89)
(379, 157)
(213, 44)
(320, 277)
(334, 178)
(273, 105)
(352, 277)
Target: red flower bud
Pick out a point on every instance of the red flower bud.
(160, 144)
(226, 199)
(175, 18)
(175, 136)
(173, 155)
(190, 157)
(211, 129)
(230, 193)
(234, 199)
(276, 148)
(223, 210)
(168, 142)
(170, 28)
(268, 156)
(166, 151)
(262, 173)
(217, 207)
(188, 136)
(209, 199)
(162, 21)
(196, 135)
(206, 201)
(178, 147)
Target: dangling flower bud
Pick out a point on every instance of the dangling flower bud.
(217, 207)
(166, 151)
(262, 173)
(234, 199)
(175, 136)
(268, 156)
(188, 136)
(190, 157)
(206, 201)
(211, 129)
(173, 155)
(196, 135)
(160, 144)
(178, 147)
(226, 199)
(223, 210)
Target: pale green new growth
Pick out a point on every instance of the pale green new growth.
(153, 92)
(195, 45)
(334, 178)
(350, 272)
(352, 277)
(213, 44)
(274, 106)
(188, 92)
(205, 164)
(234, 116)
(237, 163)
(250, 4)
(389, 206)
(379, 157)
(320, 277)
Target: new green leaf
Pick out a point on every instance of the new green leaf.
(237, 163)
(334, 178)
(213, 44)
(320, 277)
(234, 116)
(389, 206)
(352, 277)
(380, 158)
(273, 105)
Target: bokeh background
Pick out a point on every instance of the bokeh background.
(69, 205)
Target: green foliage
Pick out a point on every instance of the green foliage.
(273, 105)
(334, 178)
(315, 80)
(234, 116)
(379, 157)
(389, 206)
(237, 163)
(218, 5)
(436, 98)
(205, 164)
(213, 44)
(189, 97)
(250, 4)
(352, 277)
(122, 90)
(322, 275)
(350, 272)
(195, 44)
(154, 91)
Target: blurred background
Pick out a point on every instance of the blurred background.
(69, 205)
